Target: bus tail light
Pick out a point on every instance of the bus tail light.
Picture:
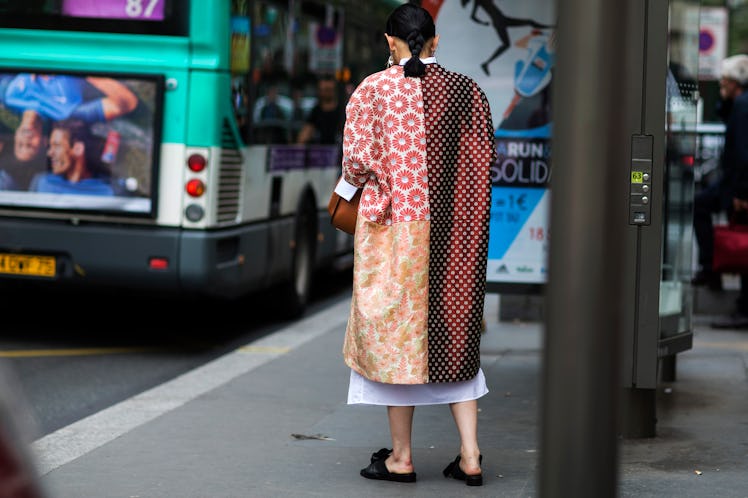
(194, 213)
(196, 162)
(195, 187)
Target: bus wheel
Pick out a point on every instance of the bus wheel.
(302, 265)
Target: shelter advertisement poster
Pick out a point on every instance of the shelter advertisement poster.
(508, 49)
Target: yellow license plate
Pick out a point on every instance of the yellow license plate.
(22, 264)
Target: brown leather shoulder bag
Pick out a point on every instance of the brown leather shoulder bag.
(343, 213)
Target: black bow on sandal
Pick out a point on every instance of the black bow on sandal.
(454, 470)
(380, 455)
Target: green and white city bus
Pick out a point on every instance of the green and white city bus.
(176, 183)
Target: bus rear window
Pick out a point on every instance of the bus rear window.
(166, 17)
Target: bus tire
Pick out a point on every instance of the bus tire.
(298, 289)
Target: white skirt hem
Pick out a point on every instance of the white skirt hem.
(368, 392)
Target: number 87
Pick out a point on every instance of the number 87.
(134, 8)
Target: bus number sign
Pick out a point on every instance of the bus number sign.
(144, 10)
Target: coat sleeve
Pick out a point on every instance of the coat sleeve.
(358, 137)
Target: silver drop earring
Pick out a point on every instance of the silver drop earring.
(390, 61)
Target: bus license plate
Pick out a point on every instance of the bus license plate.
(22, 264)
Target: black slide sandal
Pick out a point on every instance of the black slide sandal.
(454, 470)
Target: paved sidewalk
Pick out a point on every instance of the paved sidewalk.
(270, 420)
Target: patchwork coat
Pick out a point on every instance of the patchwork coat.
(421, 149)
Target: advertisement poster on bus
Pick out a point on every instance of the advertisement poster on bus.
(79, 142)
(508, 48)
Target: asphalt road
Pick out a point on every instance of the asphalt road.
(75, 354)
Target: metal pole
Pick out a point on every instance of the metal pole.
(581, 377)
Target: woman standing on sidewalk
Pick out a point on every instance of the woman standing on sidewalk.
(419, 140)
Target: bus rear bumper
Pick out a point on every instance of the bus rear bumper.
(128, 257)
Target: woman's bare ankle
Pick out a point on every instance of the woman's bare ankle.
(470, 462)
(402, 465)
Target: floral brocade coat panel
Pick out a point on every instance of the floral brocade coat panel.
(422, 149)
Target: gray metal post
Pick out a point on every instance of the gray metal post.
(581, 369)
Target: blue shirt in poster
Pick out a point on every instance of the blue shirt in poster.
(7, 182)
(56, 184)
